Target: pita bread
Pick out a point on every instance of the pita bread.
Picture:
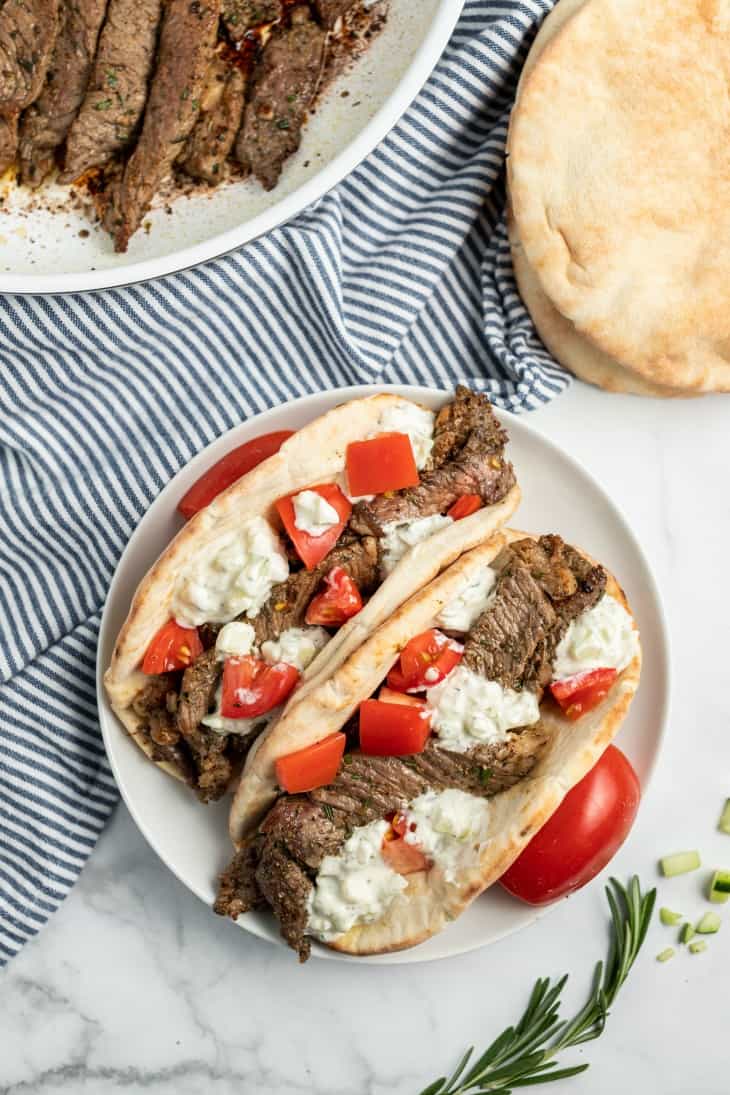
(568, 347)
(624, 212)
(429, 901)
(314, 454)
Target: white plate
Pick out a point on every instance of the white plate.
(559, 496)
(42, 251)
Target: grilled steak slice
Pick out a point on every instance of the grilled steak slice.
(28, 30)
(112, 108)
(8, 140)
(479, 468)
(455, 422)
(209, 749)
(289, 600)
(221, 108)
(187, 39)
(572, 582)
(237, 890)
(283, 85)
(542, 586)
(484, 770)
(285, 887)
(44, 125)
(329, 11)
(241, 15)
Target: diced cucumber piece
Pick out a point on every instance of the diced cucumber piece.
(686, 933)
(665, 955)
(679, 863)
(669, 918)
(719, 890)
(709, 924)
(724, 822)
(698, 947)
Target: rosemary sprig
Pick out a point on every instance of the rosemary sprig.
(524, 1055)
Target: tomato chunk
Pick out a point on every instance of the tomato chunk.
(339, 601)
(390, 695)
(425, 661)
(230, 468)
(251, 687)
(582, 692)
(402, 856)
(312, 549)
(464, 506)
(583, 834)
(311, 767)
(393, 729)
(383, 463)
(173, 647)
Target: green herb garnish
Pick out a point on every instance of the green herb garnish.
(282, 123)
(524, 1055)
(103, 104)
(328, 811)
(485, 774)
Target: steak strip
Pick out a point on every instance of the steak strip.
(189, 29)
(283, 85)
(111, 111)
(28, 30)
(240, 16)
(8, 140)
(44, 125)
(221, 107)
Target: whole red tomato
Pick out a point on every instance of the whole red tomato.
(584, 833)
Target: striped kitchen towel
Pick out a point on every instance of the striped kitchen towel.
(400, 274)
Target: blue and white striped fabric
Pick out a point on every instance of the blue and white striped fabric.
(400, 274)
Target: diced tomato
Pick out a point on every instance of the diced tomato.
(425, 661)
(230, 468)
(251, 687)
(393, 729)
(339, 601)
(383, 463)
(311, 767)
(464, 506)
(312, 549)
(390, 695)
(583, 834)
(173, 647)
(583, 691)
(404, 857)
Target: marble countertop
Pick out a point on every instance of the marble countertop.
(133, 986)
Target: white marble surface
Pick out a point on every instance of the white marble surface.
(134, 986)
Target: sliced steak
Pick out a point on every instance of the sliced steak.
(209, 750)
(154, 694)
(287, 605)
(187, 40)
(8, 140)
(197, 692)
(114, 102)
(237, 889)
(44, 125)
(285, 887)
(28, 30)
(455, 422)
(542, 585)
(329, 11)
(478, 467)
(240, 16)
(221, 108)
(484, 770)
(283, 85)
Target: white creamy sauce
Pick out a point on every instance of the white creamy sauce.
(464, 611)
(233, 576)
(354, 887)
(417, 422)
(450, 827)
(313, 514)
(298, 646)
(234, 640)
(468, 710)
(603, 637)
(357, 886)
(399, 537)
